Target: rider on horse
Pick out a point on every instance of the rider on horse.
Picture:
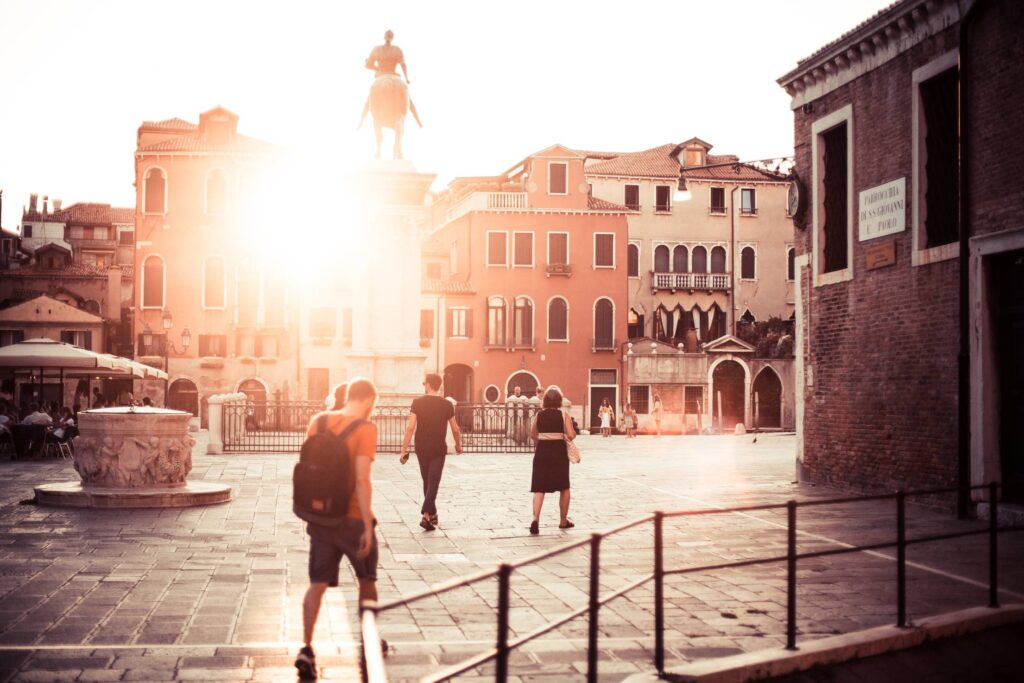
(389, 96)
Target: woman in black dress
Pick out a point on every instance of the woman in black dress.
(550, 429)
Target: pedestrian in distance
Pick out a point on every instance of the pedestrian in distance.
(607, 415)
(629, 421)
(550, 430)
(429, 419)
(353, 535)
(656, 412)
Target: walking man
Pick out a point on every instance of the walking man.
(429, 419)
(354, 537)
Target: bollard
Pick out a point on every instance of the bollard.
(791, 576)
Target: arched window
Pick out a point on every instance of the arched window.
(791, 264)
(661, 259)
(154, 191)
(522, 322)
(153, 282)
(662, 324)
(495, 321)
(216, 192)
(718, 260)
(213, 282)
(700, 260)
(747, 264)
(558, 320)
(680, 259)
(604, 324)
(633, 260)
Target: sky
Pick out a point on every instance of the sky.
(492, 82)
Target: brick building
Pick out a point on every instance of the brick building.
(907, 254)
(531, 286)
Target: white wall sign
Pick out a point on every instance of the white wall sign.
(883, 210)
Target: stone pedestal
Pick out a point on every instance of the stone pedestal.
(387, 286)
(133, 457)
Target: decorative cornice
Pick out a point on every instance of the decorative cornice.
(867, 47)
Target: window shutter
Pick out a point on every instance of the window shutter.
(426, 324)
(469, 322)
(88, 341)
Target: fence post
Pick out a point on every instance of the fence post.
(215, 417)
(791, 576)
(595, 569)
(659, 594)
(901, 559)
(993, 545)
(501, 662)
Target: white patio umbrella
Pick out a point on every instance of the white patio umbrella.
(35, 354)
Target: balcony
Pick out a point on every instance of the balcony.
(602, 344)
(488, 201)
(710, 282)
(84, 244)
(559, 269)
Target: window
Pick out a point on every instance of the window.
(937, 142)
(154, 192)
(497, 248)
(492, 393)
(318, 383)
(558, 178)
(662, 198)
(248, 297)
(77, 338)
(459, 322)
(76, 232)
(495, 321)
(680, 259)
(267, 347)
(791, 264)
(700, 260)
(717, 200)
(434, 270)
(604, 324)
(558, 320)
(832, 197)
(748, 200)
(245, 344)
(8, 337)
(522, 249)
(718, 259)
(153, 282)
(213, 345)
(322, 323)
(633, 260)
(126, 238)
(558, 248)
(604, 250)
(26, 231)
(747, 264)
(216, 192)
(661, 259)
(634, 324)
(639, 397)
(100, 233)
(213, 283)
(632, 197)
(426, 323)
(522, 322)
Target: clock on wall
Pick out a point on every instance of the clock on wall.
(796, 201)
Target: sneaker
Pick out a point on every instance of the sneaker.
(305, 662)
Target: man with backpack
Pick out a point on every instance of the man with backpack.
(332, 492)
(429, 418)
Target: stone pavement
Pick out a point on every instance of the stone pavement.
(214, 593)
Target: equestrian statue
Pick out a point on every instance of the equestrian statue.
(389, 99)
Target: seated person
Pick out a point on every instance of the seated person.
(64, 424)
(37, 416)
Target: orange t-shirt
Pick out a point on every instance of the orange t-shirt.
(361, 442)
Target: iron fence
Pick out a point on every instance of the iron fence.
(280, 426)
(372, 662)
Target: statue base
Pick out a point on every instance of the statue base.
(77, 495)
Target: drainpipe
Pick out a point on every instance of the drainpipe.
(963, 358)
(732, 259)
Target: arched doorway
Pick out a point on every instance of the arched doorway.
(526, 382)
(768, 390)
(183, 395)
(458, 382)
(727, 382)
(256, 398)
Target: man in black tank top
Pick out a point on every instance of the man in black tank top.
(429, 419)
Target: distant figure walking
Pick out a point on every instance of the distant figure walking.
(607, 414)
(551, 428)
(656, 412)
(629, 421)
(429, 420)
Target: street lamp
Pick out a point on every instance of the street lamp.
(167, 321)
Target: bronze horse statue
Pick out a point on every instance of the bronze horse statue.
(389, 99)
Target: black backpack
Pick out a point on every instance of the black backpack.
(323, 481)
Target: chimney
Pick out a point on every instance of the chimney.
(46, 201)
(113, 311)
(33, 199)
(56, 205)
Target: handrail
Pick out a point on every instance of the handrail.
(500, 653)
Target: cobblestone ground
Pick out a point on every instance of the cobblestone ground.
(214, 593)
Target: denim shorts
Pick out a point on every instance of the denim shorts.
(328, 544)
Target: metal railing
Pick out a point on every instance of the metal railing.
(280, 426)
(374, 669)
